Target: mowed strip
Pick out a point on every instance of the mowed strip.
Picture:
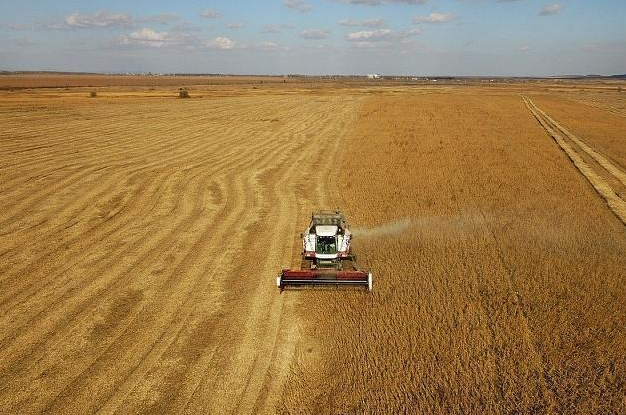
(124, 225)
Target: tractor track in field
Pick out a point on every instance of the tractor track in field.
(122, 290)
(606, 178)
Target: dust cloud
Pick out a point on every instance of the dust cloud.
(467, 222)
(386, 229)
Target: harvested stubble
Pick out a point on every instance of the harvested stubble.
(139, 242)
(505, 295)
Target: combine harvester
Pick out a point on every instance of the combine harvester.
(327, 259)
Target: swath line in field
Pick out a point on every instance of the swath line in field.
(617, 205)
(610, 167)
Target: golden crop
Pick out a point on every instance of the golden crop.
(140, 235)
(505, 295)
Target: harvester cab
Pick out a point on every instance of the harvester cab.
(327, 259)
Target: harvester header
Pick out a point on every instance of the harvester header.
(327, 258)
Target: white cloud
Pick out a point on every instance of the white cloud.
(222, 43)
(314, 34)
(550, 9)
(237, 25)
(100, 19)
(299, 5)
(370, 35)
(363, 23)
(435, 18)
(209, 13)
(524, 48)
(148, 35)
(381, 35)
(149, 38)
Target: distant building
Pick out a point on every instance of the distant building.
(373, 76)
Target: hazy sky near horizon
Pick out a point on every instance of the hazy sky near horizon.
(419, 37)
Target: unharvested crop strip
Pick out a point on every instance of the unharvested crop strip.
(617, 205)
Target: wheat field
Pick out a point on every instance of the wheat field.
(501, 291)
(141, 234)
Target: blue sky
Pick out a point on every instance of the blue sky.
(412, 37)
